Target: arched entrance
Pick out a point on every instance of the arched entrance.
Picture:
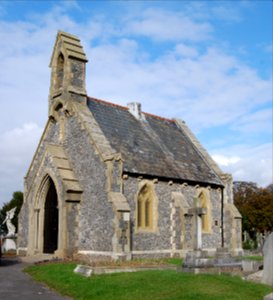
(51, 219)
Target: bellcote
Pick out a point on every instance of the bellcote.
(67, 71)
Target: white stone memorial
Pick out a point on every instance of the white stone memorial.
(83, 270)
(268, 260)
(9, 241)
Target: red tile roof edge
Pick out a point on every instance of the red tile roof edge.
(158, 117)
(108, 103)
(126, 108)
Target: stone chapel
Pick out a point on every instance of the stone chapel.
(114, 182)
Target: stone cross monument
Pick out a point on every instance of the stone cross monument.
(197, 212)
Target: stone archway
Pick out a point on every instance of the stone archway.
(45, 228)
(51, 220)
(54, 197)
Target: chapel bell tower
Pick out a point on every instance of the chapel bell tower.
(67, 72)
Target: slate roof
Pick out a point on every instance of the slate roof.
(155, 147)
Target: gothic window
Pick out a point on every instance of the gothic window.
(145, 204)
(60, 71)
(204, 203)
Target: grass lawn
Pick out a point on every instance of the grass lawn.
(255, 258)
(146, 285)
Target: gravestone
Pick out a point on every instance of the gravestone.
(268, 261)
(251, 266)
(268, 297)
(83, 270)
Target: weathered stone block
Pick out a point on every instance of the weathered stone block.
(268, 260)
(250, 266)
(268, 297)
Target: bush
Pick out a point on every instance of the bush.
(250, 245)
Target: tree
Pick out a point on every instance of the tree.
(243, 192)
(16, 201)
(270, 188)
(255, 205)
(260, 213)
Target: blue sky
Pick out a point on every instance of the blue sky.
(208, 63)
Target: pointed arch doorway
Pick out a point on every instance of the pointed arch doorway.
(51, 219)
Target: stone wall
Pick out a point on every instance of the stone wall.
(96, 213)
(232, 229)
(169, 238)
(50, 136)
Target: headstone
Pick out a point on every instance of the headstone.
(246, 236)
(268, 297)
(83, 270)
(260, 240)
(268, 260)
(250, 266)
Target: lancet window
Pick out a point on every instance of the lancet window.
(145, 206)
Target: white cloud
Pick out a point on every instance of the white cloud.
(167, 26)
(214, 86)
(186, 51)
(256, 122)
(226, 12)
(247, 163)
(226, 160)
(17, 147)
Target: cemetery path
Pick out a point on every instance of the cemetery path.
(15, 284)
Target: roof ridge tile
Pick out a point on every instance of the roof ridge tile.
(126, 108)
(108, 103)
(158, 117)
